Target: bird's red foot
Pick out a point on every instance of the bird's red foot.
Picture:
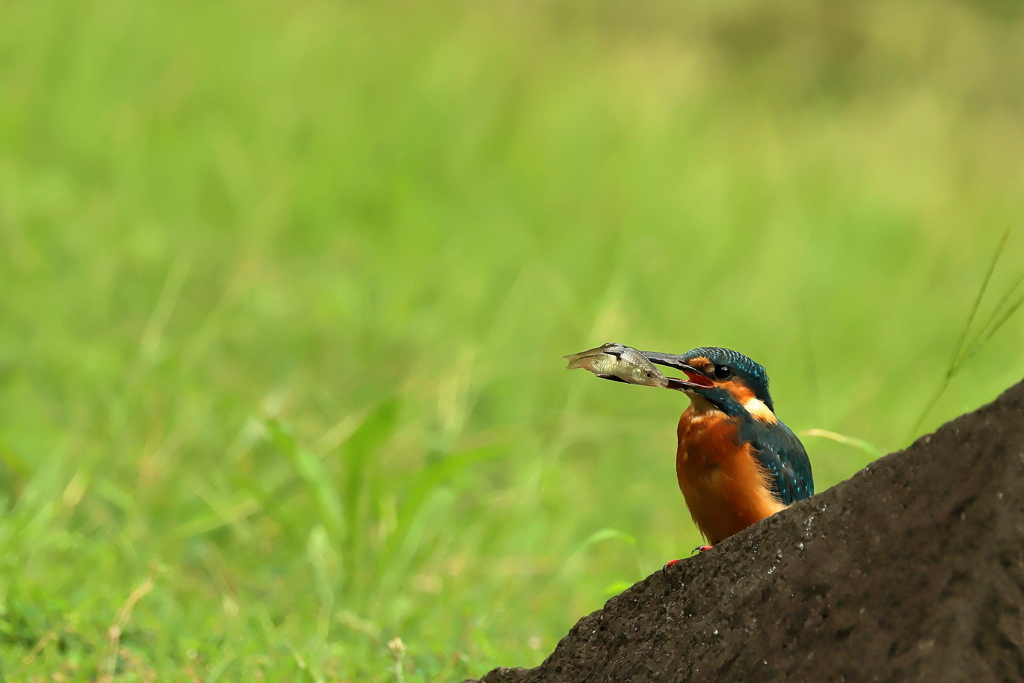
(700, 548)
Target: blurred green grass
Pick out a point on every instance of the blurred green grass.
(285, 288)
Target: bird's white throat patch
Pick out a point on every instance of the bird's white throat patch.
(757, 409)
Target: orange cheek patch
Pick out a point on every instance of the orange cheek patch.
(740, 392)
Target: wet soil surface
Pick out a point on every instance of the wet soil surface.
(913, 570)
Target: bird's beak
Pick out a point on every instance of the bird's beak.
(695, 379)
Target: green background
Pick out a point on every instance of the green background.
(285, 286)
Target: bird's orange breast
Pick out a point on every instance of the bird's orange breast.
(725, 487)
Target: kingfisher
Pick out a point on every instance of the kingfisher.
(736, 462)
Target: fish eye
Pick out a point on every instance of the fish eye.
(723, 371)
(649, 375)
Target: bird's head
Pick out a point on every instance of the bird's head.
(724, 378)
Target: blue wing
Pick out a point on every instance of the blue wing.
(782, 454)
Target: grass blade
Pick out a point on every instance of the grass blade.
(364, 443)
(842, 438)
(956, 362)
(313, 473)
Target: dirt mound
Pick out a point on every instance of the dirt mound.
(911, 570)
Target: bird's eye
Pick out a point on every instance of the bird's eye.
(723, 372)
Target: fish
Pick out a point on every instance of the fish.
(618, 363)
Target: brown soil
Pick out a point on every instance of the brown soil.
(913, 570)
